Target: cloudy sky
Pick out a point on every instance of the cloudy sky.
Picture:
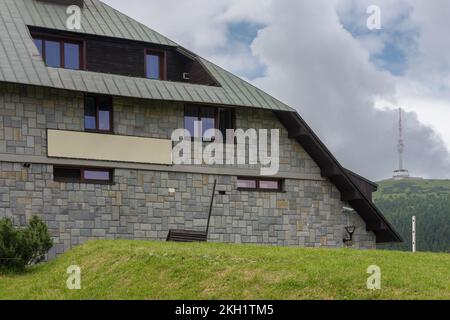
(319, 57)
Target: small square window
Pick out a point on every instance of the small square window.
(154, 64)
(59, 53)
(247, 184)
(63, 174)
(259, 184)
(96, 175)
(269, 184)
(53, 53)
(104, 118)
(72, 56)
(83, 175)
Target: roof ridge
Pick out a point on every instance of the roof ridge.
(140, 23)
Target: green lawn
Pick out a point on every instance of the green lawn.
(153, 270)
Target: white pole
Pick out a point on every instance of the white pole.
(414, 234)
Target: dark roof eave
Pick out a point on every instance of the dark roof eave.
(373, 184)
(374, 219)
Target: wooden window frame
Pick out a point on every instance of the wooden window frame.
(82, 179)
(111, 116)
(257, 183)
(216, 117)
(162, 63)
(62, 40)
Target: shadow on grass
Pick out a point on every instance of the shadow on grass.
(25, 271)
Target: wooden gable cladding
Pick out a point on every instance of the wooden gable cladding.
(79, 3)
(354, 189)
(124, 57)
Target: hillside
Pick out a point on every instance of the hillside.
(396, 188)
(428, 200)
(150, 270)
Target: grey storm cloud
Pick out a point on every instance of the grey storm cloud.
(319, 68)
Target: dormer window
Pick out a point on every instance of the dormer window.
(60, 53)
(108, 55)
(154, 65)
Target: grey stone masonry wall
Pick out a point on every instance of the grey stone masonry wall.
(139, 206)
(307, 213)
(27, 112)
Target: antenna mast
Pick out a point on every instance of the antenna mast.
(401, 144)
(400, 173)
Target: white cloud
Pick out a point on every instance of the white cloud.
(425, 86)
(328, 75)
(316, 65)
(202, 26)
(431, 108)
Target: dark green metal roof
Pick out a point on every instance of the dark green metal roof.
(20, 61)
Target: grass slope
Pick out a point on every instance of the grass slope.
(151, 270)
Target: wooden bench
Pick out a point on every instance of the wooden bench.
(187, 236)
(193, 236)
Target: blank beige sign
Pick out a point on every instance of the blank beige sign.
(107, 147)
